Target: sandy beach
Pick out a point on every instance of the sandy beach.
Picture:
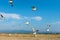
(29, 37)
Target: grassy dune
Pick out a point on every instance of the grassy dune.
(29, 37)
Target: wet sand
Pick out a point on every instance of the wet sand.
(29, 37)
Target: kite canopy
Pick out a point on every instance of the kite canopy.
(48, 29)
(33, 29)
(11, 2)
(49, 25)
(1, 16)
(27, 22)
(33, 8)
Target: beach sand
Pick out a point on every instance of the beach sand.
(29, 37)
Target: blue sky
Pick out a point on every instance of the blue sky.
(48, 12)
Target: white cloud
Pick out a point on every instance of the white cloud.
(26, 17)
(13, 16)
(37, 18)
(55, 23)
(20, 17)
(58, 22)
